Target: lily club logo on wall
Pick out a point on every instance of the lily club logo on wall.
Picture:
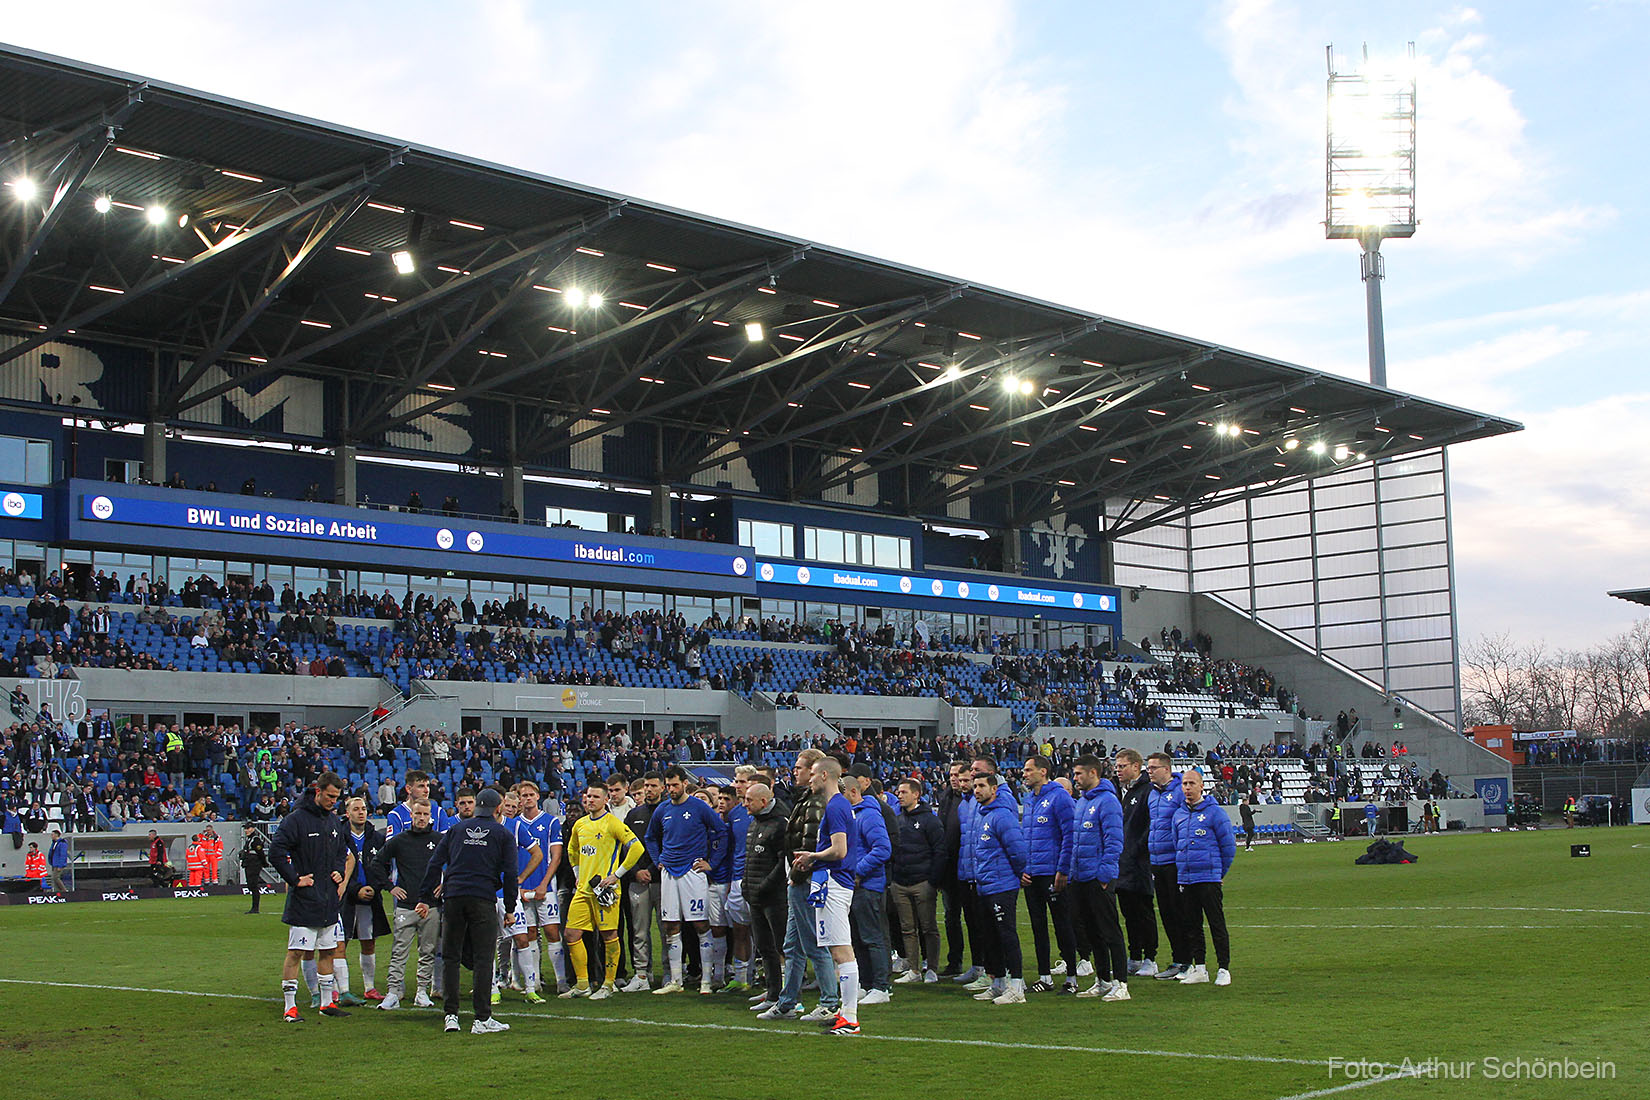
(13, 504)
(765, 572)
(740, 567)
(103, 507)
(444, 539)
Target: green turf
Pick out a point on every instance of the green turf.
(1493, 946)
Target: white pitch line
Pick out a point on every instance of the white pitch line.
(1058, 1048)
(1451, 909)
(1421, 927)
(134, 989)
(1363, 1083)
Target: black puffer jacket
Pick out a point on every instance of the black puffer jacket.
(1134, 868)
(766, 856)
(310, 841)
(802, 830)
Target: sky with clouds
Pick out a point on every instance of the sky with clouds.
(1157, 163)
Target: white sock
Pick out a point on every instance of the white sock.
(369, 971)
(707, 958)
(556, 950)
(530, 966)
(311, 976)
(718, 960)
(1046, 978)
(742, 970)
(289, 992)
(329, 994)
(674, 947)
(847, 978)
(340, 974)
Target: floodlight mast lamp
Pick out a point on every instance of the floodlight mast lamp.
(1369, 170)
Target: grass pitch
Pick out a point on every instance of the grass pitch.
(1433, 979)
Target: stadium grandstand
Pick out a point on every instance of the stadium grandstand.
(321, 449)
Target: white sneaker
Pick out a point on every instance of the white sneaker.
(391, 1001)
(763, 996)
(910, 977)
(900, 966)
(876, 997)
(820, 1015)
(986, 994)
(929, 977)
(1223, 977)
(1085, 968)
(637, 984)
(968, 976)
(451, 1024)
(1119, 992)
(488, 1026)
(979, 983)
(763, 1005)
(1013, 995)
(576, 991)
(604, 993)
(1059, 970)
(1198, 974)
(1098, 989)
(1134, 967)
(668, 987)
(422, 1000)
(1148, 969)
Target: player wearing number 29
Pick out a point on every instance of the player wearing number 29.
(679, 840)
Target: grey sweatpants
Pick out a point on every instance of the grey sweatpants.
(406, 927)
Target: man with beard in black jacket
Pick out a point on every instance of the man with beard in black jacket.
(919, 859)
(1134, 870)
(951, 890)
(641, 889)
(764, 886)
(309, 853)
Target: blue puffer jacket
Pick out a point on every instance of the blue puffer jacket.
(968, 825)
(1047, 824)
(999, 846)
(1099, 835)
(1204, 842)
(1163, 804)
(875, 847)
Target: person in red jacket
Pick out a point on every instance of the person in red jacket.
(212, 849)
(195, 860)
(34, 864)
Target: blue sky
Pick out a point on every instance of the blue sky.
(1158, 163)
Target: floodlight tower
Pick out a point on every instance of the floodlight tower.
(1369, 168)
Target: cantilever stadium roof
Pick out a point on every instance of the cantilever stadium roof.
(286, 266)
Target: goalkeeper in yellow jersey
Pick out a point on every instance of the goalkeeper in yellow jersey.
(600, 848)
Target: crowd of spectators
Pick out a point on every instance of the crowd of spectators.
(1576, 751)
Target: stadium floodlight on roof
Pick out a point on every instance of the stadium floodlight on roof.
(1369, 165)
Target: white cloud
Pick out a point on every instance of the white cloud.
(1548, 520)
